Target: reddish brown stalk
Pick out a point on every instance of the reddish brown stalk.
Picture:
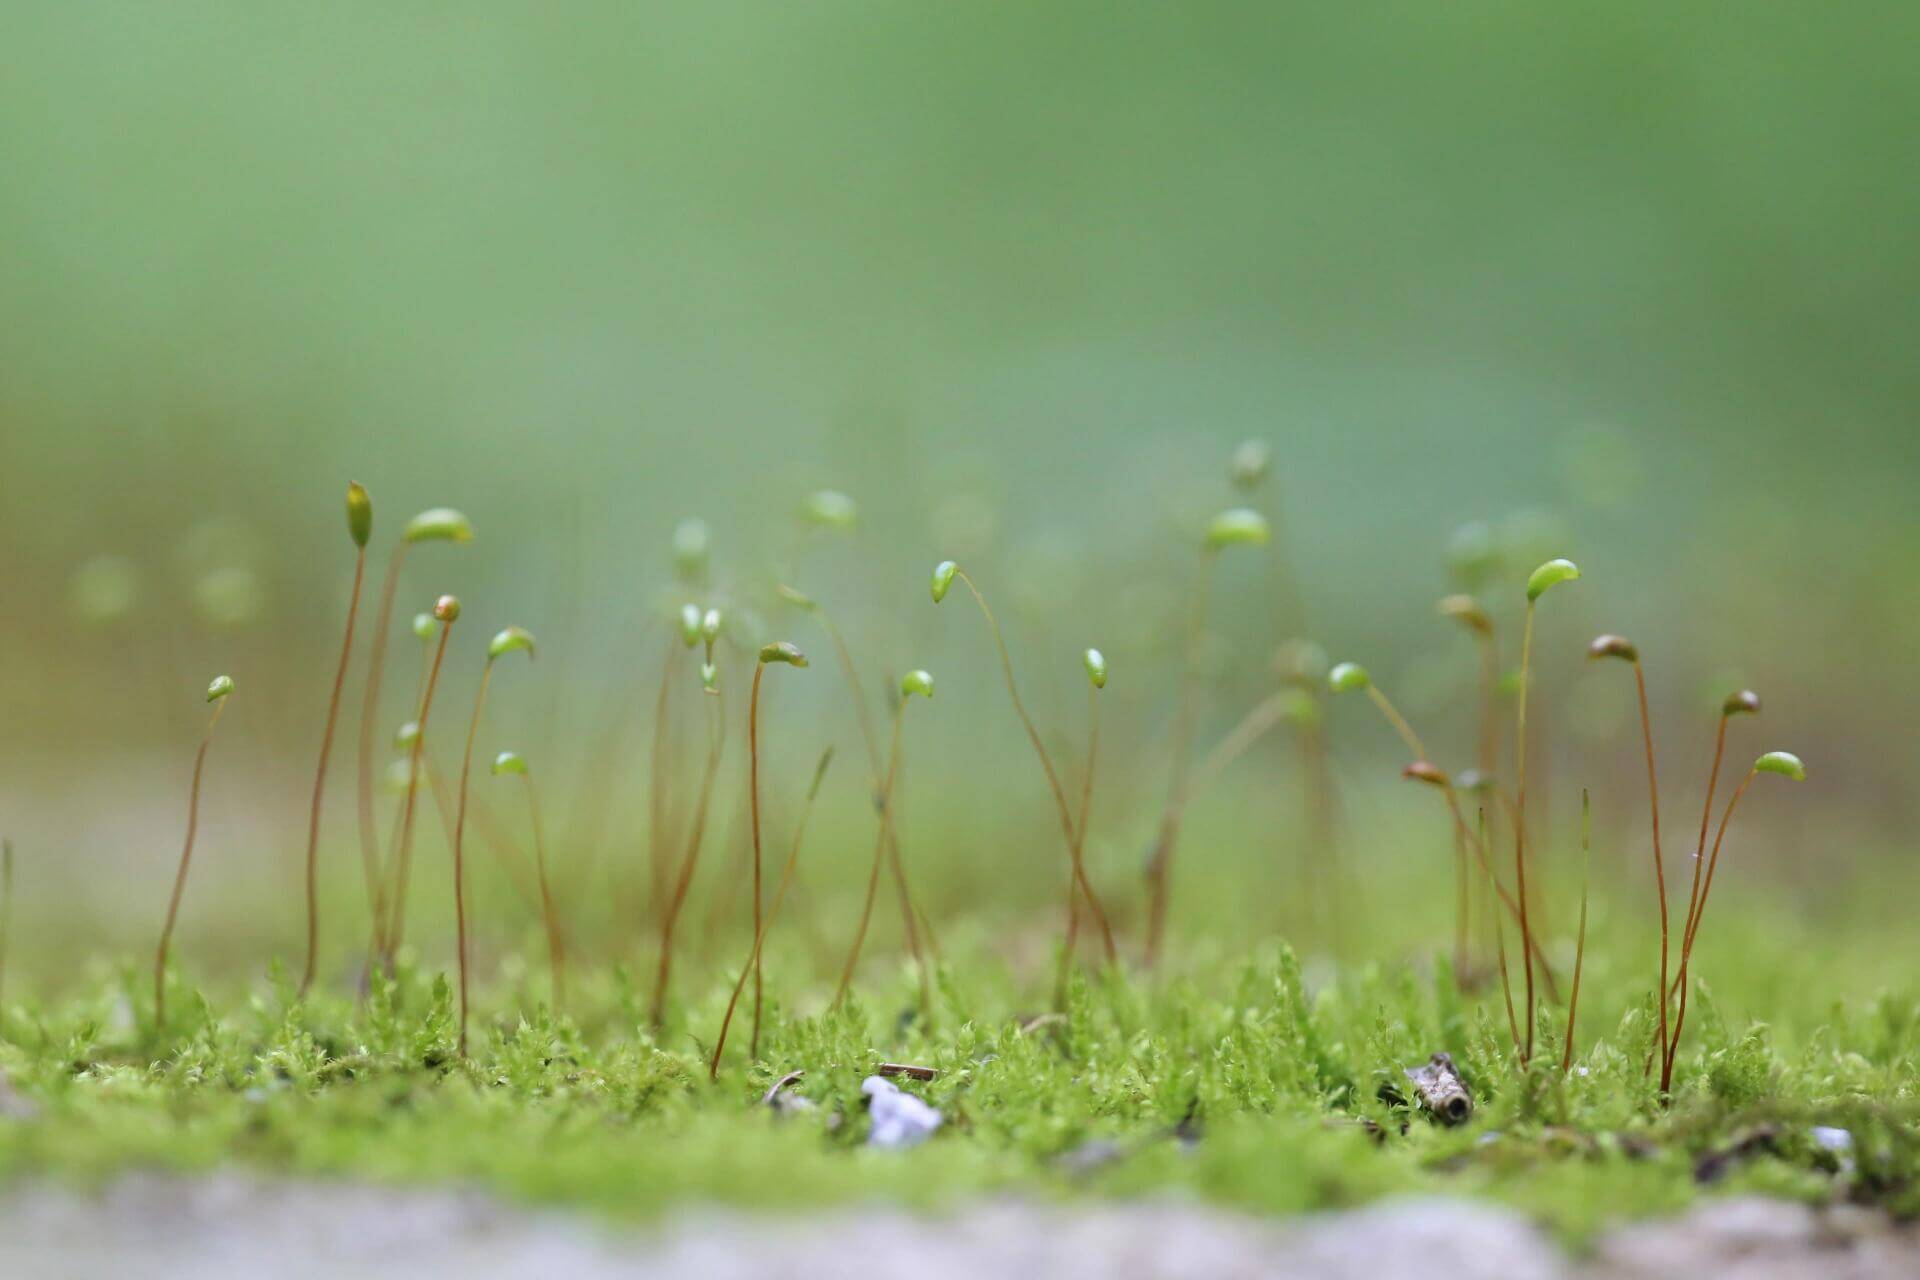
(659, 763)
(1080, 839)
(1659, 863)
(1520, 825)
(1160, 864)
(1078, 868)
(753, 803)
(403, 857)
(1506, 899)
(773, 910)
(1499, 940)
(460, 845)
(1686, 944)
(369, 716)
(1580, 947)
(870, 739)
(549, 914)
(1700, 848)
(320, 777)
(879, 855)
(696, 835)
(180, 877)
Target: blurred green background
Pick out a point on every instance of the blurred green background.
(1631, 283)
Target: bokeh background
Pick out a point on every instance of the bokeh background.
(1632, 283)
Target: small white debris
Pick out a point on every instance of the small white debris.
(899, 1119)
(1828, 1138)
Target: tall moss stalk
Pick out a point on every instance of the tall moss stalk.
(217, 694)
(359, 528)
(510, 640)
(944, 575)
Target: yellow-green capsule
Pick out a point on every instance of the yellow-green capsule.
(830, 509)
(404, 736)
(1241, 526)
(920, 682)
(441, 524)
(943, 579)
(359, 513)
(220, 688)
(509, 639)
(1096, 664)
(1550, 575)
(1784, 763)
(710, 626)
(783, 651)
(424, 625)
(1348, 676)
(690, 625)
(710, 677)
(508, 762)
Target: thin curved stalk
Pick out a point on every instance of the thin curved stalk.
(1686, 946)
(1046, 765)
(696, 836)
(1499, 941)
(1520, 824)
(1580, 947)
(879, 856)
(369, 716)
(460, 844)
(870, 739)
(659, 764)
(320, 777)
(180, 877)
(1159, 866)
(773, 910)
(1700, 848)
(550, 916)
(403, 856)
(1080, 838)
(753, 805)
(1480, 849)
(1659, 863)
(1398, 721)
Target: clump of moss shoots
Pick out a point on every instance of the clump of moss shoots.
(557, 1051)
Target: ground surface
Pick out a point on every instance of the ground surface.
(229, 1225)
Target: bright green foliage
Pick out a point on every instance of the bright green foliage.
(1550, 575)
(509, 640)
(830, 509)
(359, 513)
(1784, 763)
(1347, 677)
(441, 524)
(943, 579)
(1239, 527)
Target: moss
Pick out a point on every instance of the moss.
(1237, 1083)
